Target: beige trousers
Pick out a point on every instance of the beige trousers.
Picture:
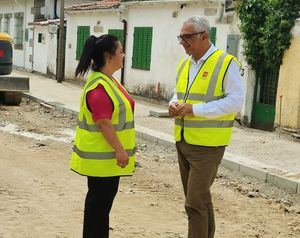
(198, 168)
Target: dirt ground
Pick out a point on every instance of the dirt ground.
(277, 152)
(41, 197)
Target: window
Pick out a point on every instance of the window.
(142, 42)
(26, 35)
(6, 23)
(40, 38)
(18, 34)
(213, 34)
(118, 33)
(83, 32)
(230, 5)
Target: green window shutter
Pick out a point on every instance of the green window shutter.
(213, 34)
(118, 33)
(149, 46)
(83, 32)
(142, 44)
(136, 45)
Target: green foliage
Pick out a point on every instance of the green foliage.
(266, 28)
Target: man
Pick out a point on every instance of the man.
(208, 93)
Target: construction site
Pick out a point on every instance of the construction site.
(40, 193)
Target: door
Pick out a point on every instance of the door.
(40, 50)
(263, 112)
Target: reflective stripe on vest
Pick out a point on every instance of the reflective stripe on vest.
(94, 128)
(206, 87)
(92, 154)
(122, 115)
(209, 96)
(198, 97)
(204, 124)
(181, 69)
(99, 155)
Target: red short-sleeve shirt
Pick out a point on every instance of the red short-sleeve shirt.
(100, 103)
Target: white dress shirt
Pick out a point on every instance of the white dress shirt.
(233, 89)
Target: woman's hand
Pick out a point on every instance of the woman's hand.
(122, 158)
(111, 137)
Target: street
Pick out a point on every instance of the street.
(41, 197)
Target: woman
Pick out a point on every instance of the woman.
(105, 136)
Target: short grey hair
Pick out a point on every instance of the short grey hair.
(200, 24)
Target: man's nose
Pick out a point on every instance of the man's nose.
(181, 41)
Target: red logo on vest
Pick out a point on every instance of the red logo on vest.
(205, 74)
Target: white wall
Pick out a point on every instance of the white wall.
(166, 50)
(19, 55)
(49, 7)
(28, 49)
(108, 21)
(40, 50)
(52, 53)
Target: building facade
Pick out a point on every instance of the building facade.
(150, 29)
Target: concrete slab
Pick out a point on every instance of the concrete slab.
(296, 135)
(230, 164)
(253, 172)
(279, 181)
(160, 113)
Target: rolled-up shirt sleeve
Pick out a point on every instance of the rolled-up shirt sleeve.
(100, 103)
(233, 100)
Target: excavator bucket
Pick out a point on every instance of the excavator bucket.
(14, 84)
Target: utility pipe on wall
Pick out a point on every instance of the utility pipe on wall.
(55, 9)
(124, 50)
(60, 74)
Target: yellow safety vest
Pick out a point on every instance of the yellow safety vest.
(207, 86)
(92, 154)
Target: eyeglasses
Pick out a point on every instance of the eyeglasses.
(186, 37)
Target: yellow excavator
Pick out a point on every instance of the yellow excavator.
(11, 87)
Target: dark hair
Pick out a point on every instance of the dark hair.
(93, 52)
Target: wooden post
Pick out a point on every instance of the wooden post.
(60, 74)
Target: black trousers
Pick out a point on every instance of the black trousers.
(98, 202)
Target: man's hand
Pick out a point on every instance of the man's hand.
(173, 109)
(185, 109)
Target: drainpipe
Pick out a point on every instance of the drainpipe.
(24, 28)
(32, 53)
(55, 9)
(124, 50)
(60, 71)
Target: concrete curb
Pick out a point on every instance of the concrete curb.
(167, 140)
(277, 180)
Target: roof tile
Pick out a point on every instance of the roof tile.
(104, 4)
